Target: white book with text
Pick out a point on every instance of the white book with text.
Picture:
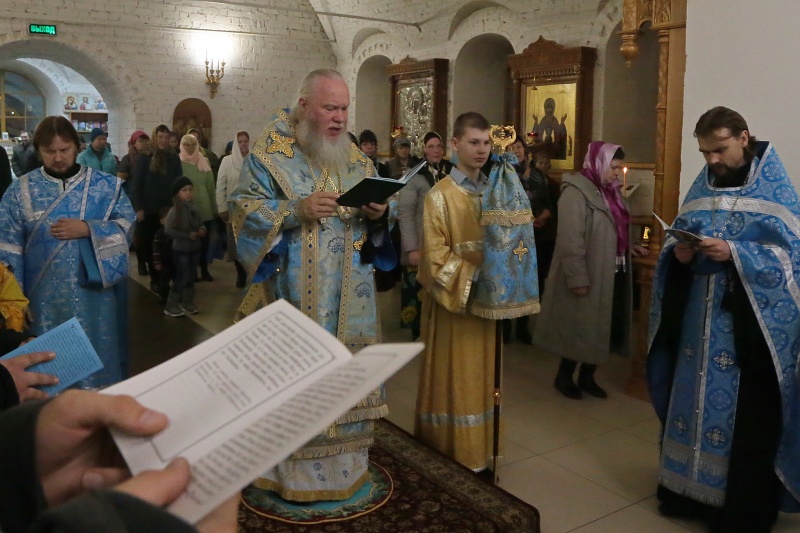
(246, 399)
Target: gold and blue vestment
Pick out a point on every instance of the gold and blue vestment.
(316, 266)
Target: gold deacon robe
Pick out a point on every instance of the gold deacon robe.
(455, 406)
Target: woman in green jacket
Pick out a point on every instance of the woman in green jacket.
(197, 168)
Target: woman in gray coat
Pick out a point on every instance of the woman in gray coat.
(409, 218)
(586, 307)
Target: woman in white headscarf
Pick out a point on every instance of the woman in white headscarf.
(227, 181)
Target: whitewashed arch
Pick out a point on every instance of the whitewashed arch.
(377, 45)
(78, 55)
(49, 87)
(467, 10)
(374, 92)
(479, 75)
(362, 35)
(498, 20)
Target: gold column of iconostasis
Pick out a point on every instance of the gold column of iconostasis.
(668, 19)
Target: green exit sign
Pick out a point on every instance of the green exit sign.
(47, 29)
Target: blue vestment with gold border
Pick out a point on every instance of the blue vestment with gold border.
(317, 266)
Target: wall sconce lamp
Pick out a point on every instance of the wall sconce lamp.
(214, 76)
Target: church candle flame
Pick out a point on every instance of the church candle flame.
(624, 180)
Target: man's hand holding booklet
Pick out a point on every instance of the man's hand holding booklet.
(682, 236)
(244, 400)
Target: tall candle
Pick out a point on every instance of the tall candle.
(624, 181)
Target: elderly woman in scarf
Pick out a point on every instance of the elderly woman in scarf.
(227, 181)
(586, 307)
(197, 168)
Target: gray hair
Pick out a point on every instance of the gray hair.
(307, 85)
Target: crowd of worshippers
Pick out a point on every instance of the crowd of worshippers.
(148, 171)
(723, 323)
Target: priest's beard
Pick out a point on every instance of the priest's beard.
(333, 154)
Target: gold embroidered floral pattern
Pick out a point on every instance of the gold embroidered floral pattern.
(724, 360)
(408, 314)
(359, 243)
(357, 155)
(280, 144)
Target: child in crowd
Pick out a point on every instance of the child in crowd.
(162, 256)
(186, 228)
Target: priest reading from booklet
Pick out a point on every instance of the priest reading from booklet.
(297, 243)
(722, 366)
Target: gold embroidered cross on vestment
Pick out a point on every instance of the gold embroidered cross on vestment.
(520, 251)
(280, 144)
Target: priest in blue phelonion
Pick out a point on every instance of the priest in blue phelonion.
(65, 230)
(724, 337)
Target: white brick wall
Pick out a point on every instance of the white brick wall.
(569, 22)
(143, 64)
(143, 60)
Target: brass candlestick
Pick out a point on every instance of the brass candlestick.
(214, 76)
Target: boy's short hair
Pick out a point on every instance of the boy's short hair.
(471, 119)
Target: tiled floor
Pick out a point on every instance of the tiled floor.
(588, 466)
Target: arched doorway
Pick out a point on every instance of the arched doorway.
(373, 108)
(480, 77)
(61, 70)
(192, 113)
(22, 103)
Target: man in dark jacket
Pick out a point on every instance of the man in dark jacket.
(24, 158)
(151, 190)
(5, 173)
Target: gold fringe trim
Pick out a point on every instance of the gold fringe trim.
(492, 313)
(310, 495)
(506, 218)
(359, 415)
(317, 452)
(373, 400)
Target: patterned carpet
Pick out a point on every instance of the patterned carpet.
(412, 488)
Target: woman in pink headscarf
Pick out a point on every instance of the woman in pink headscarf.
(586, 308)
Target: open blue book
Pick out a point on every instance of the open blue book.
(75, 358)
